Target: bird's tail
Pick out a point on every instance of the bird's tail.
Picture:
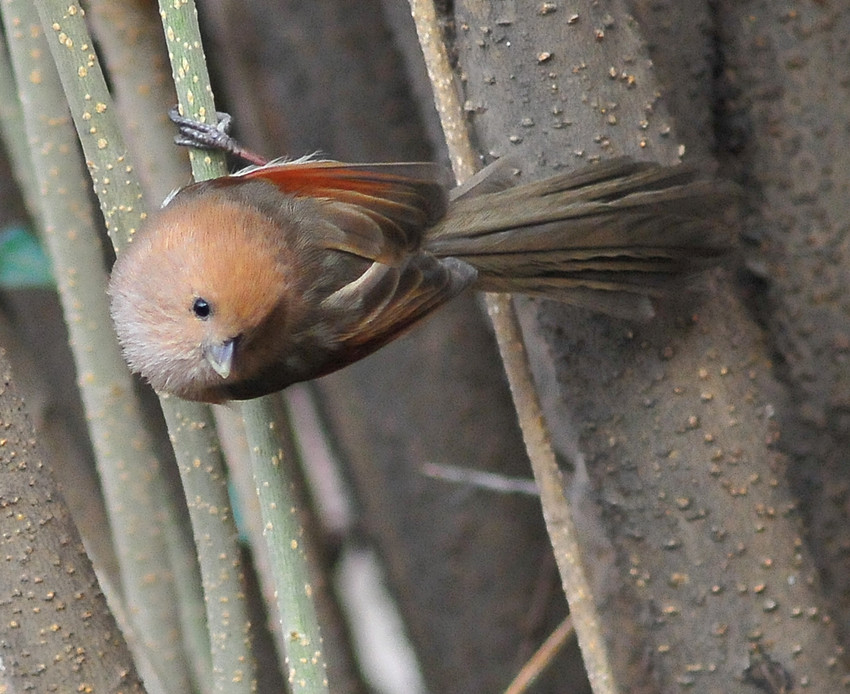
(608, 237)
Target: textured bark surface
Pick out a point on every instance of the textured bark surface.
(56, 633)
(682, 495)
(789, 107)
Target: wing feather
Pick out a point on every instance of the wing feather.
(402, 199)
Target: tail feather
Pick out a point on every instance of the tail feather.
(606, 237)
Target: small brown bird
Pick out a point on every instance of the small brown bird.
(242, 285)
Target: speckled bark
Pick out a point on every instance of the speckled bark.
(680, 489)
(56, 632)
(789, 107)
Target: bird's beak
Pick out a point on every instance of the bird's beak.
(220, 356)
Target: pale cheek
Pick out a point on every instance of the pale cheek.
(160, 353)
(173, 369)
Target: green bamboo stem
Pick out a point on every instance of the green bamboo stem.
(305, 663)
(204, 477)
(14, 136)
(129, 35)
(306, 668)
(115, 182)
(191, 79)
(190, 425)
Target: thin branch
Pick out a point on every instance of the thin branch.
(542, 658)
(490, 481)
(556, 508)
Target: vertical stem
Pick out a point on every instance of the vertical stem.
(299, 623)
(305, 660)
(556, 509)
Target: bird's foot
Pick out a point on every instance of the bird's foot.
(215, 136)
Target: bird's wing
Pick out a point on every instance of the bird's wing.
(382, 209)
(399, 299)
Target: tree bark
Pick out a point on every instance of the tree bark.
(56, 632)
(788, 102)
(680, 490)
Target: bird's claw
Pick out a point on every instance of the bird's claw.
(211, 136)
(193, 133)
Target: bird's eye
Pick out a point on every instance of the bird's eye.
(201, 308)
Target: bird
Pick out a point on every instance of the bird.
(287, 270)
